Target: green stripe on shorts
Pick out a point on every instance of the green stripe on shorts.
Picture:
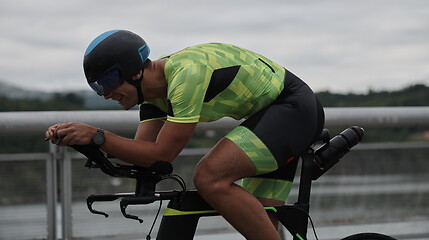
(277, 189)
(254, 148)
(264, 161)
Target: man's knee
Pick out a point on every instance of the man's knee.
(206, 181)
(199, 179)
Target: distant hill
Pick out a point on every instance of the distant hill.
(93, 101)
(90, 99)
(14, 92)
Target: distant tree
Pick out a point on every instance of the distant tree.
(70, 98)
(415, 95)
(59, 102)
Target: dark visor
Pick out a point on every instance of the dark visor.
(107, 82)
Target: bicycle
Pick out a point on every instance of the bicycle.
(186, 207)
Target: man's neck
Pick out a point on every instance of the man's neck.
(154, 84)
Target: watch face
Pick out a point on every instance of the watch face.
(98, 138)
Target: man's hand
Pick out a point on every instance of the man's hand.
(73, 133)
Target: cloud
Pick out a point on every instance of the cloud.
(338, 45)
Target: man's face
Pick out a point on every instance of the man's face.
(125, 95)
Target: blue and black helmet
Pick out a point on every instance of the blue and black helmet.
(121, 51)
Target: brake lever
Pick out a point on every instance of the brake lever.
(103, 198)
(124, 204)
(89, 204)
(89, 201)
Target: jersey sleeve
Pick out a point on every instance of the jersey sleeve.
(150, 112)
(186, 93)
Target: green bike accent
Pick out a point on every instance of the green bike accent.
(271, 208)
(174, 212)
(299, 236)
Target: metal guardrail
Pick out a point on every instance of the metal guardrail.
(35, 123)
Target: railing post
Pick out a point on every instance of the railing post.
(51, 190)
(66, 194)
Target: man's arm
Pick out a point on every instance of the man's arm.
(170, 141)
(148, 131)
(145, 151)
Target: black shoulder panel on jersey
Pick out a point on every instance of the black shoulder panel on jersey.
(149, 111)
(220, 80)
(170, 109)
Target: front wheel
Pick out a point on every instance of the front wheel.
(368, 236)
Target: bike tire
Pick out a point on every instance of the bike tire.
(368, 236)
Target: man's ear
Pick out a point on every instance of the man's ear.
(136, 77)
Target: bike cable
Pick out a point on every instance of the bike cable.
(312, 226)
(182, 184)
(311, 222)
(148, 237)
(177, 179)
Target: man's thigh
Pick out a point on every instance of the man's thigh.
(225, 162)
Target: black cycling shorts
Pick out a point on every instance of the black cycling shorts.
(288, 126)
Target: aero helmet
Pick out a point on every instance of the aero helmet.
(114, 57)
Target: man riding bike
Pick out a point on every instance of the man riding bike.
(204, 83)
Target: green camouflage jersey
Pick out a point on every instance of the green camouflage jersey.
(210, 81)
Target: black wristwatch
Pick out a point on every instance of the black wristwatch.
(98, 138)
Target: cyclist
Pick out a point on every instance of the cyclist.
(204, 83)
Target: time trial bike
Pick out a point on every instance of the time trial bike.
(186, 207)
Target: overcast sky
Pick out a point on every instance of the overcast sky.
(338, 45)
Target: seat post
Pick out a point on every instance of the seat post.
(301, 219)
(306, 179)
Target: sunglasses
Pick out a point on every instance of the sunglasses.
(107, 82)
